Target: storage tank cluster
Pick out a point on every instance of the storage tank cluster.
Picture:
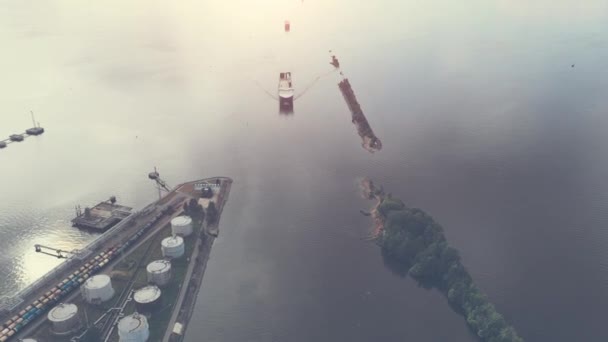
(159, 272)
(91, 267)
(147, 299)
(172, 247)
(64, 318)
(181, 225)
(133, 328)
(98, 289)
(52, 297)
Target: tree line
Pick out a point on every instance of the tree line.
(417, 242)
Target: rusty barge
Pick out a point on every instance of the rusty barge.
(369, 140)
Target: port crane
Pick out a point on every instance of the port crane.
(58, 253)
(160, 184)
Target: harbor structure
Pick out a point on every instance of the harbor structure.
(172, 247)
(159, 272)
(98, 289)
(133, 328)
(181, 225)
(64, 318)
(147, 298)
(102, 216)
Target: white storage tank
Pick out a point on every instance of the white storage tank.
(28, 340)
(159, 272)
(147, 299)
(181, 225)
(64, 318)
(97, 289)
(133, 328)
(172, 247)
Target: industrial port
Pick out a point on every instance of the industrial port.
(137, 282)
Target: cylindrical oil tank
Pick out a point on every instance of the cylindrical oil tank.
(147, 299)
(181, 225)
(97, 289)
(64, 318)
(133, 328)
(159, 272)
(172, 247)
(29, 340)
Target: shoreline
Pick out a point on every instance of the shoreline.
(183, 309)
(370, 192)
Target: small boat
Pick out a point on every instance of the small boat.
(287, 26)
(335, 62)
(286, 92)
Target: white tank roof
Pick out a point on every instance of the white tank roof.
(97, 282)
(62, 312)
(172, 241)
(181, 221)
(158, 266)
(28, 340)
(147, 294)
(132, 324)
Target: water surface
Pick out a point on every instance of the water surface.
(484, 124)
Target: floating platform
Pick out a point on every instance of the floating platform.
(37, 130)
(102, 216)
(369, 140)
(34, 131)
(16, 137)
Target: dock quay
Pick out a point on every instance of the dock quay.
(102, 216)
(196, 269)
(121, 253)
(369, 140)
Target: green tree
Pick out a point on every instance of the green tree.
(211, 213)
(412, 237)
(201, 212)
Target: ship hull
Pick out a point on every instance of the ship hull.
(286, 105)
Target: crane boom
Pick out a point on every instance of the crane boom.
(58, 253)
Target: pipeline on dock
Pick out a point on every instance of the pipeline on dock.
(369, 140)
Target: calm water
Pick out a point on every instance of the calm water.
(484, 123)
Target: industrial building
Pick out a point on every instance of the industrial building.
(64, 318)
(97, 289)
(181, 225)
(159, 272)
(172, 247)
(147, 299)
(133, 328)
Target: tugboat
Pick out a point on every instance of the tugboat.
(335, 62)
(286, 93)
